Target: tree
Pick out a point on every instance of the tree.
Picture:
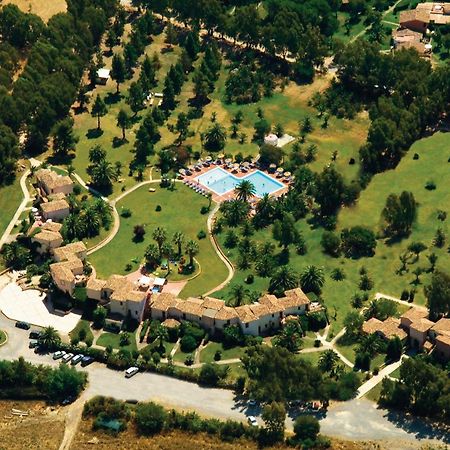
(268, 154)
(99, 316)
(439, 238)
(49, 338)
(139, 233)
(331, 243)
(98, 110)
(168, 102)
(136, 97)
(358, 241)
(381, 309)
(211, 373)
(102, 174)
(394, 349)
(312, 279)
(160, 236)
(285, 232)
(64, 382)
(111, 39)
(152, 257)
(245, 190)
(290, 336)
(283, 279)
(306, 428)
(353, 323)
(123, 122)
(96, 154)
(432, 258)
(215, 137)
(328, 361)
(417, 248)
(235, 212)
(16, 256)
(399, 214)
(329, 190)
(438, 294)
(274, 416)
(150, 418)
(192, 250)
(182, 126)
(64, 140)
(118, 71)
(178, 239)
(238, 294)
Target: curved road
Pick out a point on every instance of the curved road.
(356, 419)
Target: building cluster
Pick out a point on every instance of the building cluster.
(213, 315)
(414, 327)
(414, 26)
(52, 190)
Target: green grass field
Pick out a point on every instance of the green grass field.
(2, 337)
(113, 340)
(409, 175)
(207, 354)
(10, 198)
(82, 325)
(180, 212)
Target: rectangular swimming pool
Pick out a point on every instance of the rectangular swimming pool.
(220, 181)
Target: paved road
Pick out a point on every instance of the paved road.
(356, 419)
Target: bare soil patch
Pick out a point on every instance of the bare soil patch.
(43, 9)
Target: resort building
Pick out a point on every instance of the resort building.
(425, 13)
(48, 237)
(213, 315)
(56, 210)
(119, 295)
(69, 251)
(52, 183)
(386, 329)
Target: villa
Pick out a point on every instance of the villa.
(56, 210)
(48, 237)
(52, 183)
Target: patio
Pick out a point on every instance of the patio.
(31, 306)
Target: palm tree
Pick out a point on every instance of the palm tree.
(152, 257)
(312, 279)
(102, 174)
(283, 279)
(238, 294)
(69, 229)
(328, 360)
(235, 212)
(370, 344)
(49, 338)
(92, 222)
(209, 200)
(160, 236)
(290, 336)
(244, 190)
(70, 170)
(264, 211)
(215, 137)
(161, 334)
(178, 239)
(192, 249)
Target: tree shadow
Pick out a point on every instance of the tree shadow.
(112, 98)
(94, 133)
(61, 160)
(282, 258)
(118, 142)
(198, 103)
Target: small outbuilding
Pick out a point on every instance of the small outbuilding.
(103, 75)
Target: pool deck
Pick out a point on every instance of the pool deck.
(230, 195)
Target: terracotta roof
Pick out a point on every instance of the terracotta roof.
(294, 297)
(213, 303)
(55, 205)
(405, 34)
(95, 284)
(226, 313)
(69, 250)
(171, 323)
(259, 310)
(117, 282)
(190, 306)
(427, 345)
(443, 339)
(163, 301)
(51, 226)
(418, 46)
(442, 326)
(60, 272)
(51, 179)
(48, 236)
(272, 303)
(245, 314)
(372, 325)
(391, 328)
(414, 14)
(57, 196)
(127, 295)
(421, 325)
(414, 314)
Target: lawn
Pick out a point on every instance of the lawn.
(2, 337)
(312, 358)
(355, 29)
(181, 356)
(10, 198)
(410, 175)
(43, 9)
(82, 325)
(180, 212)
(207, 354)
(113, 340)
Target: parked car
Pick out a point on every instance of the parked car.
(59, 354)
(131, 371)
(252, 403)
(76, 359)
(23, 325)
(67, 357)
(68, 401)
(252, 421)
(35, 334)
(86, 360)
(33, 343)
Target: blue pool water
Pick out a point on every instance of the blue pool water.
(220, 181)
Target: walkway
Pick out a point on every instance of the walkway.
(20, 209)
(379, 295)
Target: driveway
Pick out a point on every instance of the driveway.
(30, 306)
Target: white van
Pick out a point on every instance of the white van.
(67, 357)
(59, 354)
(76, 359)
(131, 371)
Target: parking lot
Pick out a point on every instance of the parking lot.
(30, 306)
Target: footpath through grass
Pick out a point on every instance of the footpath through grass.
(10, 198)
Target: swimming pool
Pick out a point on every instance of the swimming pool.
(220, 181)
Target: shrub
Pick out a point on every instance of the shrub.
(331, 243)
(77, 189)
(430, 185)
(405, 295)
(201, 234)
(337, 274)
(204, 210)
(158, 208)
(231, 239)
(218, 355)
(317, 343)
(150, 418)
(188, 343)
(416, 156)
(189, 360)
(249, 279)
(126, 212)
